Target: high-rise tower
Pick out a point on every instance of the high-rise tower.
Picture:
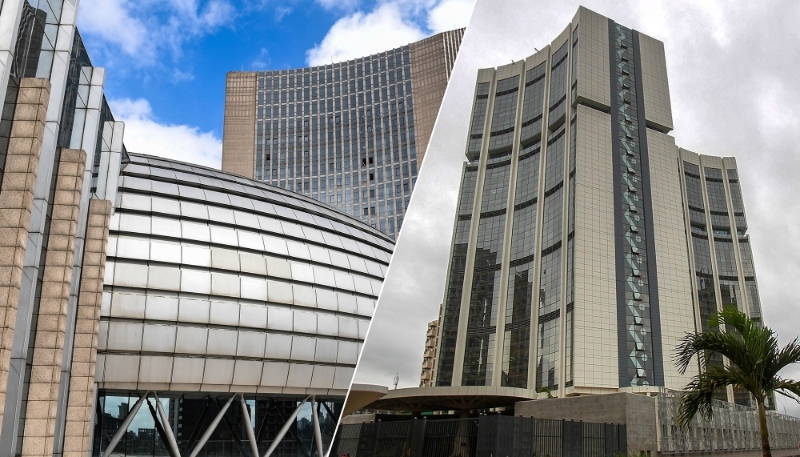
(351, 134)
(586, 242)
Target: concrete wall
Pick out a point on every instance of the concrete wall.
(638, 412)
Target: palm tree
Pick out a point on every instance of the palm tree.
(755, 360)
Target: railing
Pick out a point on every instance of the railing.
(486, 436)
(732, 428)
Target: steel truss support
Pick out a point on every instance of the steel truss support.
(173, 445)
(317, 432)
(285, 428)
(251, 437)
(211, 427)
(124, 426)
(167, 428)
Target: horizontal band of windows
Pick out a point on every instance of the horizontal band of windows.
(124, 370)
(528, 122)
(535, 80)
(480, 267)
(525, 204)
(709, 179)
(519, 325)
(216, 283)
(328, 214)
(330, 245)
(477, 331)
(464, 217)
(529, 154)
(551, 316)
(223, 357)
(346, 334)
(502, 132)
(551, 249)
(502, 164)
(155, 168)
(532, 141)
(143, 304)
(168, 207)
(558, 102)
(125, 247)
(553, 138)
(554, 189)
(495, 213)
(204, 202)
(248, 284)
(522, 261)
(560, 61)
(728, 278)
(507, 91)
(131, 335)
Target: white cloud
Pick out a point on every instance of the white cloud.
(338, 4)
(362, 34)
(145, 135)
(140, 31)
(449, 15)
(389, 25)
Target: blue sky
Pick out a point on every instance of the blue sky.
(166, 60)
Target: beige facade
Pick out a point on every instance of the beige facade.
(432, 61)
(80, 416)
(573, 266)
(239, 131)
(426, 378)
(51, 325)
(16, 201)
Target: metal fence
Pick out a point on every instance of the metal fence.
(486, 436)
(732, 428)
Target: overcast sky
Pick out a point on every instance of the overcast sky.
(733, 70)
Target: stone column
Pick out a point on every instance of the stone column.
(48, 345)
(16, 200)
(84, 352)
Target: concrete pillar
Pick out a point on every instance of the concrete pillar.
(16, 201)
(48, 346)
(84, 352)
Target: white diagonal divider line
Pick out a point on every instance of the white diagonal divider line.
(285, 428)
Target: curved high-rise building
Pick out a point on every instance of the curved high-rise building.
(586, 243)
(350, 134)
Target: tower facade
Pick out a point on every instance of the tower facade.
(351, 134)
(579, 222)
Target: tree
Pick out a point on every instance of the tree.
(755, 360)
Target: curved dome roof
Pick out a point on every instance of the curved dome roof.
(215, 282)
